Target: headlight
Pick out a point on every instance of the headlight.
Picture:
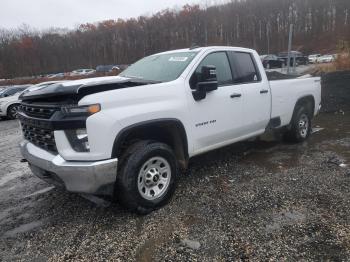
(73, 110)
(78, 139)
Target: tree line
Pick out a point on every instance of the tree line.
(259, 24)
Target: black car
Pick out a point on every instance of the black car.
(300, 59)
(272, 61)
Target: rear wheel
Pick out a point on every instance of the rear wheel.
(147, 177)
(12, 111)
(300, 126)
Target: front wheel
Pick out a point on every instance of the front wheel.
(300, 126)
(147, 177)
(12, 111)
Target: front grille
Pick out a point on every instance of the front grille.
(36, 126)
(38, 111)
(43, 138)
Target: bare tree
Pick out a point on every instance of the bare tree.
(259, 24)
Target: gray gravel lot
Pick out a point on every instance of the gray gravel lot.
(262, 200)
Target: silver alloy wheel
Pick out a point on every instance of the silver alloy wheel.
(14, 111)
(303, 125)
(154, 178)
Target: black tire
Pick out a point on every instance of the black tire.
(12, 111)
(128, 188)
(297, 132)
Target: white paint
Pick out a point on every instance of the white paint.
(216, 121)
(316, 129)
(42, 191)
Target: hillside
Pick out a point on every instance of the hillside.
(259, 24)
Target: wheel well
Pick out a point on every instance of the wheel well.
(170, 132)
(307, 101)
(8, 108)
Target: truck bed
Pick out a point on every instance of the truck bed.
(273, 76)
(285, 94)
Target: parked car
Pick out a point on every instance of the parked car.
(7, 97)
(313, 58)
(272, 61)
(2, 88)
(128, 136)
(326, 59)
(9, 105)
(106, 68)
(300, 59)
(79, 72)
(58, 75)
(12, 90)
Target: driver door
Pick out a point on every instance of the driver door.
(216, 119)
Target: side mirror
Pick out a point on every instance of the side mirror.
(207, 82)
(6, 95)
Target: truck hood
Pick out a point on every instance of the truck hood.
(75, 90)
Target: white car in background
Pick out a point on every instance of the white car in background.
(82, 72)
(313, 58)
(326, 59)
(9, 105)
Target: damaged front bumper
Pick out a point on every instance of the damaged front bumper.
(96, 177)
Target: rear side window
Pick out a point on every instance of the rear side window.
(223, 69)
(244, 68)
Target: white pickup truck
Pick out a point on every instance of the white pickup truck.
(128, 136)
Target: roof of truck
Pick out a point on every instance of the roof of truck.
(198, 49)
(112, 79)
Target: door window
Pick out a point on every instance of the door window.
(244, 68)
(223, 69)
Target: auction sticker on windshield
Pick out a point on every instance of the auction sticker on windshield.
(178, 59)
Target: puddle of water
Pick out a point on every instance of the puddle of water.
(330, 134)
(275, 159)
(146, 252)
(285, 218)
(42, 191)
(10, 176)
(335, 126)
(24, 228)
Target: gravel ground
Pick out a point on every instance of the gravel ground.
(261, 200)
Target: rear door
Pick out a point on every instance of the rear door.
(256, 97)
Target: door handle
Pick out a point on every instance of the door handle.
(234, 95)
(264, 91)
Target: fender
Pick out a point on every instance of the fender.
(166, 122)
(309, 97)
(302, 100)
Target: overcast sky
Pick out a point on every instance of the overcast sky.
(69, 13)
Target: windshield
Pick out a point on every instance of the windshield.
(160, 68)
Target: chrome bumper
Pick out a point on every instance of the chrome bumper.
(80, 177)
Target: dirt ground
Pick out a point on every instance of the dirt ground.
(261, 200)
